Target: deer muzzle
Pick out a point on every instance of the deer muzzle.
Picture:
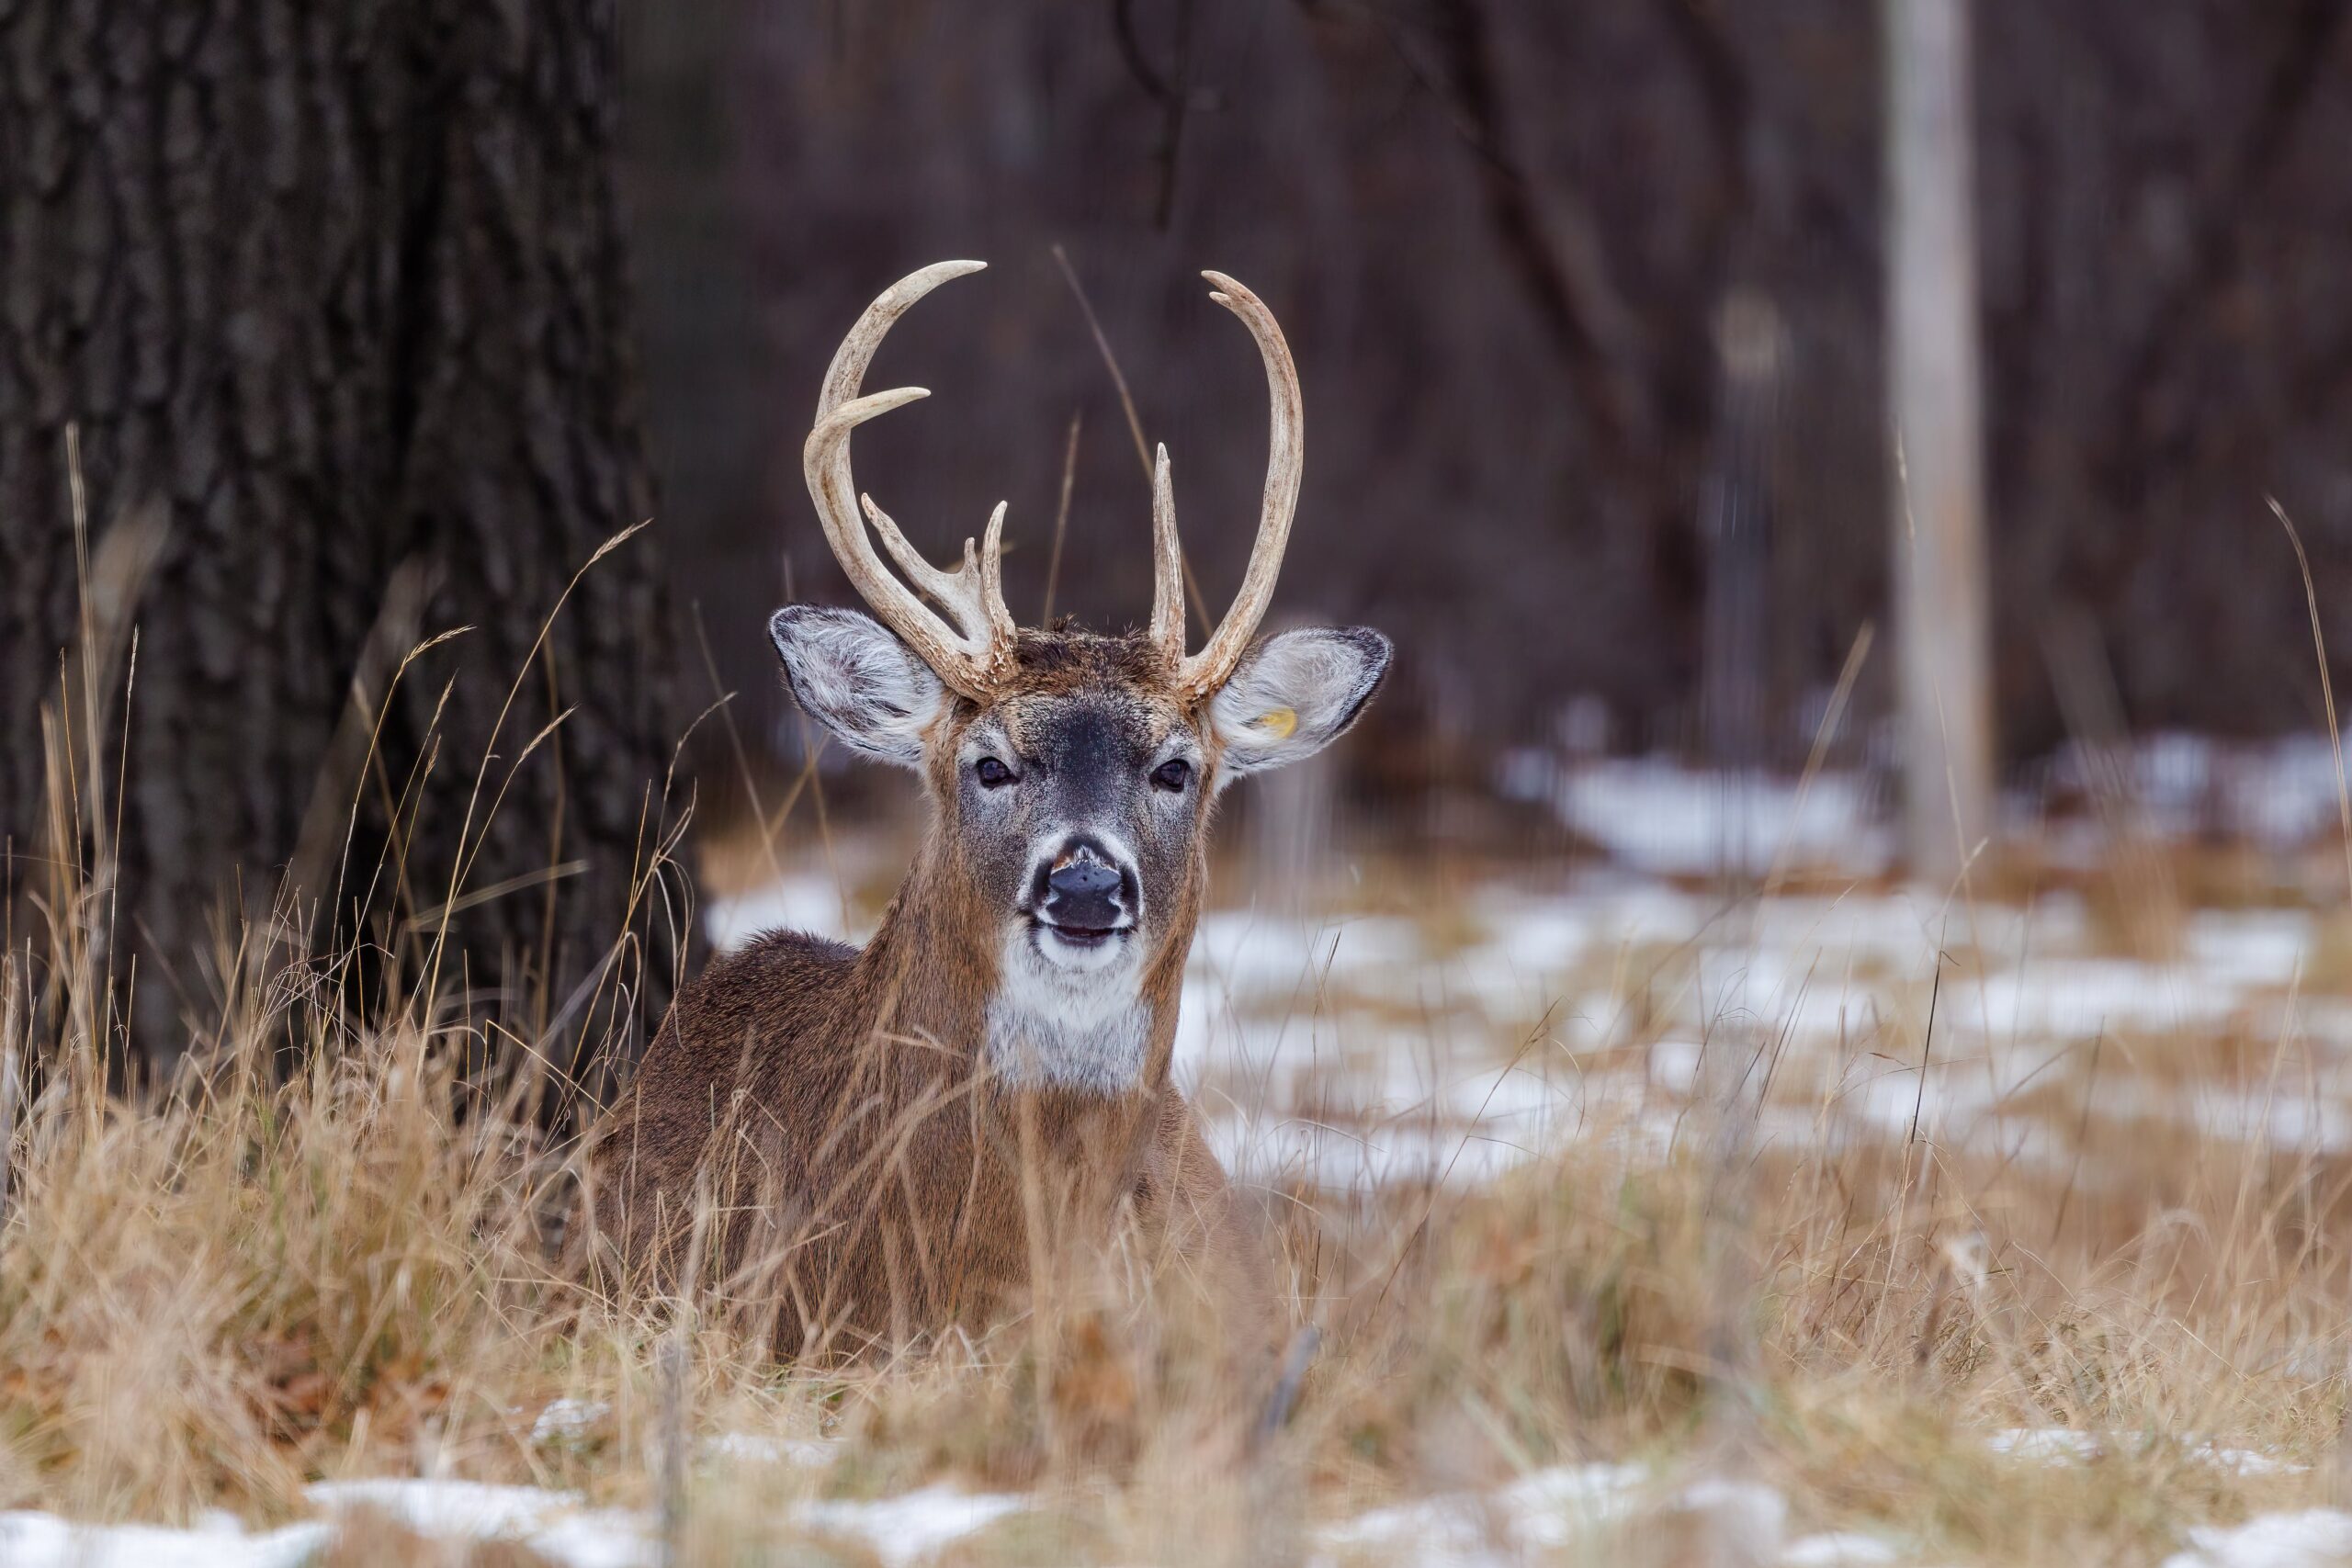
(1084, 895)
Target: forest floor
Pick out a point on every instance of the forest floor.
(1639, 1223)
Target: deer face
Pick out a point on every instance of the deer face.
(1074, 801)
(1071, 772)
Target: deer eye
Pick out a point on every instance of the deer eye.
(991, 774)
(1172, 776)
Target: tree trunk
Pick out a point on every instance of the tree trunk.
(1932, 376)
(333, 301)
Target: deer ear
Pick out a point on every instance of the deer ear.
(851, 675)
(1294, 694)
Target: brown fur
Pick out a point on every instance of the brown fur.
(815, 1130)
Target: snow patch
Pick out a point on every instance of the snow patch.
(2050, 1445)
(1470, 1530)
(2312, 1537)
(552, 1524)
(572, 1420)
(568, 1420)
(913, 1525)
(758, 1448)
(1838, 1548)
(2068, 1445)
(798, 903)
(900, 1531)
(1653, 814)
(44, 1541)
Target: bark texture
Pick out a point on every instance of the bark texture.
(335, 297)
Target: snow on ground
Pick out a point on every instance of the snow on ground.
(902, 1530)
(1839, 1549)
(2068, 1445)
(1659, 816)
(2077, 1447)
(795, 903)
(1542, 1511)
(2279, 794)
(575, 1421)
(1547, 1509)
(2048, 1444)
(1655, 815)
(1362, 1046)
(556, 1525)
(913, 1526)
(2310, 1537)
(44, 1541)
(1366, 1047)
(1350, 1049)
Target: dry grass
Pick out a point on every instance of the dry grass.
(251, 1277)
(244, 1280)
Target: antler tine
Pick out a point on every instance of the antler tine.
(962, 659)
(1167, 565)
(992, 605)
(974, 592)
(1206, 670)
(969, 655)
(940, 585)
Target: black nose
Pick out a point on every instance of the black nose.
(1083, 879)
(1082, 888)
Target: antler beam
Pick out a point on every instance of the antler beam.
(974, 652)
(971, 648)
(1202, 674)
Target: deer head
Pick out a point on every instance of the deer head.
(1071, 774)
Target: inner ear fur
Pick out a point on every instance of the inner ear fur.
(851, 675)
(1295, 693)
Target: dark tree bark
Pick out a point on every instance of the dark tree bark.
(335, 297)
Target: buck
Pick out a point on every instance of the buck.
(872, 1142)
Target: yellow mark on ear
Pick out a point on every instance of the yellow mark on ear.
(1277, 722)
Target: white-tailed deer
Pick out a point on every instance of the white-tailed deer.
(867, 1138)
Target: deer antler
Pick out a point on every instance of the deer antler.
(973, 654)
(1201, 673)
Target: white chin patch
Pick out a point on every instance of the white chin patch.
(1068, 1013)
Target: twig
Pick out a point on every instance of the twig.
(1061, 517)
(1927, 1051)
(1822, 736)
(1284, 1398)
(1110, 360)
(1174, 94)
(672, 1437)
(1134, 421)
(2326, 686)
(2082, 1136)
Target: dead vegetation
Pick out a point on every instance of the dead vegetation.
(319, 1249)
(216, 1289)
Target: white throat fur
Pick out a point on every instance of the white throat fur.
(1052, 1024)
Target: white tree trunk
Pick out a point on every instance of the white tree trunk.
(1933, 380)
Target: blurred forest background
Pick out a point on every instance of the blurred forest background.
(1506, 237)
(345, 326)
